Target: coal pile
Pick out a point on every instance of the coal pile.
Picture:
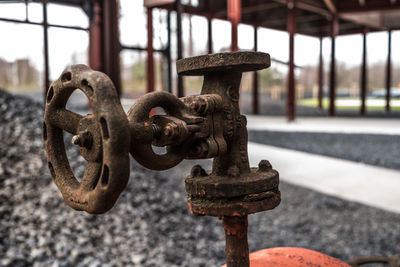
(150, 224)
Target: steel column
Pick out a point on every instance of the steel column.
(46, 49)
(210, 41)
(389, 71)
(332, 81)
(320, 76)
(190, 33)
(363, 82)
(291, 28)
(180, 89)
(234, 16)
(255, 77)
(209, 25)
(111, 46)
(95, 39)
(168, 53)
(150, 56)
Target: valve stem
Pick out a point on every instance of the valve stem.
(83, 139)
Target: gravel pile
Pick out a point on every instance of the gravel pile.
(151, 225)
(374, 149)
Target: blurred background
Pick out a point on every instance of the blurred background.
(71, 28)
(326, 114)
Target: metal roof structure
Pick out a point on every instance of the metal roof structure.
(313, 16)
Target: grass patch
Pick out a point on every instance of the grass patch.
(313, 102)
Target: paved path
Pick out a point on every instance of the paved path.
(366, 184)
(324, 124)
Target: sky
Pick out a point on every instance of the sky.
(26, 41)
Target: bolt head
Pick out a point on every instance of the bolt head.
(83, 139)
(198, 171)
(264, 166)
(168, 131)
(171, 130)
(198, 105)
(76, 140)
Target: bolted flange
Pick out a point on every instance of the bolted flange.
(215, 195)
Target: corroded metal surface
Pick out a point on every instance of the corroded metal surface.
(292, 257)
(232, 190)
(223, 62)
(215, 186)
(103, 138)
(389, 261)
(249, 193)
(188, 130)
(236, 245)
(195, 127)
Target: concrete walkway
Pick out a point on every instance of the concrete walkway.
(324, 124)
(366, 184)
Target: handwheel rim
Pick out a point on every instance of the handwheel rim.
(139, 113)
(107, 176)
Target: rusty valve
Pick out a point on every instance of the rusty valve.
(106, 137)
(102, 137)
(208, 125)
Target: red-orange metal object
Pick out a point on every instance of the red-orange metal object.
(292, 257)
(150, 57)
(234, 15)
(291, 92)
(95, 39)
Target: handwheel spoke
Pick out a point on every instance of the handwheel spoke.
(91, 175)
(66, 120)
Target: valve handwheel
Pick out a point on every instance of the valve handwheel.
(140, 121)
(103, 138)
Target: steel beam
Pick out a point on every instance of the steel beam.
(190, 50)
(363, 82)
(234, 16)
(291, 93)
(210, 40)
(49, 25)
(111, 46)
(168, 53)
(332, 80)
(150, 53)
(372, 5)
(389, 71)
(178, 7)
(329, 4)
(250, 9)
(95, 39)
(209, 26)
(320, 76)
(46, 49)
(255, 78)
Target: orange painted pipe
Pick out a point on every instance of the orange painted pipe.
(292, 257)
